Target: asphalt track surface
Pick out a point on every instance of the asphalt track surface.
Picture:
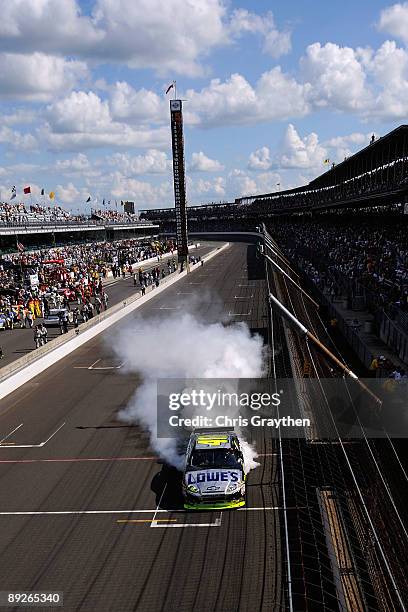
(93, 513)
(18, 342)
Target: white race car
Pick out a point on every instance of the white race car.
(214, 475)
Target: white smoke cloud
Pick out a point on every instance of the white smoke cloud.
(185, 347)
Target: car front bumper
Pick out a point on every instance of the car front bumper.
(214, 505)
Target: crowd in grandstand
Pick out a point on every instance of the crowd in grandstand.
(364, 257)
(113, 215)
(23, 214)
(26, 214)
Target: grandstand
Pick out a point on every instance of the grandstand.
(374, 177)
(37, 226)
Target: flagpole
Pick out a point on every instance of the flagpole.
(19, 257)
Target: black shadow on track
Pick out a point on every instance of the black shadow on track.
(166, 485)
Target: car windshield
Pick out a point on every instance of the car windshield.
(215, 458)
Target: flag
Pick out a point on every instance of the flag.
(170, 87)
(89, 199)
(121, 202)
(51, 195)
(27, 189)
(103, 202)
(42, 191)
(20, 247)
(13, 193)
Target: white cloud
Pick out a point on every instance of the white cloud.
(83, 120)
(50, 26)
(215, 187)
(17, 140)
(153, 162)
(388, 66)
(202, 163)
(260, 159)
(297, 152)
(19, 116)
(337, 77)
(37, 76)
(276, 43)
(236, 101)
(145, 194)
(143, 105)
(344, 146)
(79, 163)
(170, 37)
(241, 184)
(394, 21)
(68, 194)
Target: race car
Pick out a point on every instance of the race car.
(214, 475)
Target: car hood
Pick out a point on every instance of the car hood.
(213, 480)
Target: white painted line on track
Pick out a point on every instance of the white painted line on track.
(11, 432)
(53, 434)
(93, 364)
(158, 506)
(77, 459)
(85, 459)
(239, 314)
(32, 445)
(154, 511)
(107, 367)
(243, 297)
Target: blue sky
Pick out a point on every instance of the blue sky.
(271, 89)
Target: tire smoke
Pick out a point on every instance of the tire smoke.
(184, 347)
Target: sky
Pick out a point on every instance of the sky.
(271, 90)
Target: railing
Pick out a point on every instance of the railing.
(59, 223)
(394, 337)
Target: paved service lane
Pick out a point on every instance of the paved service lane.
(86, 508)
(18, 342)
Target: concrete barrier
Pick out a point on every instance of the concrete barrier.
(152, 260)
(25, 368)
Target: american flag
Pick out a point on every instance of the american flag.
(20, 247)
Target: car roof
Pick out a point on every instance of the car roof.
(212, 440)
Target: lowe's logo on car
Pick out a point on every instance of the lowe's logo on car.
(213, 476)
